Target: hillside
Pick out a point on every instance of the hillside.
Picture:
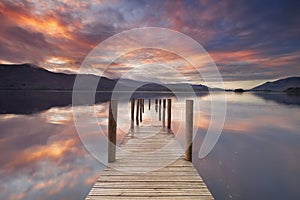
(31, 77)
(279, 85)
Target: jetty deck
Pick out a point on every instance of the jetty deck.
(150, 164)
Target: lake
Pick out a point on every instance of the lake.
(42, 156)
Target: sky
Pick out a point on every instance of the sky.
(250, 41)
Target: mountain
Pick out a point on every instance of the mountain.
(128, 84)
(280, 85)
(183, 87)
(31, 77)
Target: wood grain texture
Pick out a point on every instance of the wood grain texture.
(150, 164)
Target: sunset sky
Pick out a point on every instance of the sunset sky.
(250, 41)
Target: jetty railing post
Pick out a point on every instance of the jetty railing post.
(137, 112)
(159, 110)
(169, 113)
(189, 130)
(132, 113)
(112, 130)
(141, 110)
(164, 113)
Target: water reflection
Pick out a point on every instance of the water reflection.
(280, 98)
(43, 158)
(256, 156)
(42, 155)
(29, 102)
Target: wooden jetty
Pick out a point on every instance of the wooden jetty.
(149, 163)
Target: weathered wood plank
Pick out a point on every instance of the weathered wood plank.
(151, 184)
(169, 197)
(150, 164)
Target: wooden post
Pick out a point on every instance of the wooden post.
(169, 113)
(156, 102)
(164, 113)
(141, 110)
(132, 113)
(159, 110)
(112, 130)
(137, 112)
(149, 103)
(143, 100)
(189, 130)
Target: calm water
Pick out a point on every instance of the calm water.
(256, 156)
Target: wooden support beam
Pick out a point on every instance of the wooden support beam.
(132, 113)
(137, 112)
(164, 113)
(112, 130)
(159, 110)
(141, 110)
(189, 130)
(169, 113)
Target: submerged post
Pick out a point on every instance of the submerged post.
(169, 113)
(137, 112)
(159, 110)
(164, 113)
(156, 102)
(149, 104)
(143, 105)
(112, 130)
(189, 130)
(141, 110)
(132, 113)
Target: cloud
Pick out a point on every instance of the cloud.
(70, 30)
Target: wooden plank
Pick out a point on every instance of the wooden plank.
(149, 192)
(150, 166)
(145, 185)
(169, 197)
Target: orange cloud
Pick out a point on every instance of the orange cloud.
(54, 151)
(233, 56)
(47, 24)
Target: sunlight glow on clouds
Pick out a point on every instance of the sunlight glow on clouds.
(57, 61)
(249, 40)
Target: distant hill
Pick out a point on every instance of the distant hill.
(184, 87)
(144, 86)
(31, 77)
(279, 85)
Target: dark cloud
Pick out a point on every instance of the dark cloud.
(266, 26)
(18, 44)
(37, 31)
(27, 46)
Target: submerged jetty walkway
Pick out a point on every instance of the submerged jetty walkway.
(149, 164)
